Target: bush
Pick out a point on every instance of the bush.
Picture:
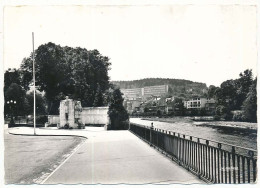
(66, 126)
(202, 112)
(194, 112)
(228, 116)
(239, 116)
(118, 125)
(117, 112)
(81, 126)
(216, 117)
(41, 119)
(223, 112)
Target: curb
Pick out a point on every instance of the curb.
(47, 135)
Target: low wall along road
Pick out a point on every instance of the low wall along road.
(89, 115)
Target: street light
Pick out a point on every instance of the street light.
(11, 104)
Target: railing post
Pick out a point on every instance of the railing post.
(234, 163)
(220, 163)
(129, 125)
(183, 150)
(251, 154)
(151, 130)
(199, 158)
(191, 152)
(179, 149)
(206, 155)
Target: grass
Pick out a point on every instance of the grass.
(29, 157)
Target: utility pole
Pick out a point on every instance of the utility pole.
(34, 100)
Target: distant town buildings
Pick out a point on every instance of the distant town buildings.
(133, 104)
(207, 104)
(198, 103)
(136, 98)
(155, 98)
(132, 93)
(145, 92)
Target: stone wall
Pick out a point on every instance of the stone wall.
(95, 115)
(53, 119)
(72, 114)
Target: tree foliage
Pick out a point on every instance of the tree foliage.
(212, 91)
(15, 93)
(237, 95)
(78, 73)
(178, 107)
(250, 104)
(41, 105)
(117, 112)
(11, 76)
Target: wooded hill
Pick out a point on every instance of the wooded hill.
(177, 87)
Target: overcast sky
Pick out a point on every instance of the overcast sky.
(204, 43)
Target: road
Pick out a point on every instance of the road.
(113, 157)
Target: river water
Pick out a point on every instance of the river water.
(234, 136)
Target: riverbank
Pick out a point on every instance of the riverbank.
(228, 124)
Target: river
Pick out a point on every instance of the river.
(234, 136)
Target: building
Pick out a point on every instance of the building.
(132, 93)
(157, 91)
(198, 103)
(145, 92)
(132, 105)
(210, 105)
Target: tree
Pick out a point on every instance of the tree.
(40, 104)
(250, 104)
(117, 112)
(226, 97)
(178, 107)
(11, 76)
(228, 93)
(243, 86)
(212, 91)
(63, 71)
(98, 98)
(26, 73)
(223, 112)
(16, 93)
(146, 109)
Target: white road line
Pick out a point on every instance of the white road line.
(75, 150)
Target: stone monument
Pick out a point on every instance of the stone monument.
(70, 112)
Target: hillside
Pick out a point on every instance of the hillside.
(177, 87)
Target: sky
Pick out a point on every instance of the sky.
(202, 43)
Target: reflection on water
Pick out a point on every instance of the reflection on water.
(235, 136)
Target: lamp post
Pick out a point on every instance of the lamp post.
(11, 104)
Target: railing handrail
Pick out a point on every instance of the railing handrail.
(210, 162)
(255, 151)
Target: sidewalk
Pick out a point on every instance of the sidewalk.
(112, 157)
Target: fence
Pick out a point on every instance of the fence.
(211, 161)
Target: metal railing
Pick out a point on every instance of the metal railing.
(211, 161)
